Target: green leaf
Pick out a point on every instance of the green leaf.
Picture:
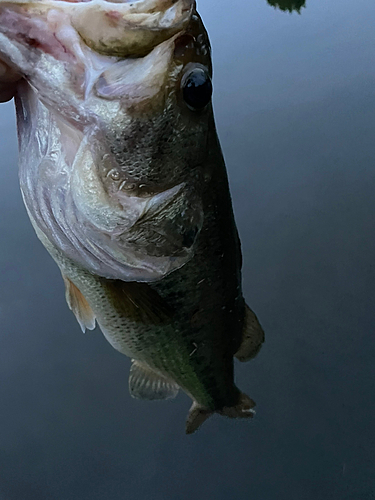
(288, 5)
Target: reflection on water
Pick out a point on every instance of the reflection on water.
(289, 5)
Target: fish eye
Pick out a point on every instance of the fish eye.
(197, 88)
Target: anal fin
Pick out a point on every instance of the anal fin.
(144, 383)
(252, 337)
(79, 305)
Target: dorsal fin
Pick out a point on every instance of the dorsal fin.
(144, 383)
(252, 337)
(79, 305)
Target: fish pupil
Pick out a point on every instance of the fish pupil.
(197, 89)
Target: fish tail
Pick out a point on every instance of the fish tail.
(243, 409)
(199, 414)
(196, 416)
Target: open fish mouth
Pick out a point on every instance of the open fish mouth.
(62, 47)
(121, 29)
(96, 71)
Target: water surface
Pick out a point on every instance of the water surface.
(294, 101)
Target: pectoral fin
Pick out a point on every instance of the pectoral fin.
(79, 305)
(144, 383)
(252, 337)
(138, 302)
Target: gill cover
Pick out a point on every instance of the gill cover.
(68, 53)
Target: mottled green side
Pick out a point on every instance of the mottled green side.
(195, 347)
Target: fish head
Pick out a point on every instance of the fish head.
(113, 120)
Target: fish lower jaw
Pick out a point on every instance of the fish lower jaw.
(127, 28)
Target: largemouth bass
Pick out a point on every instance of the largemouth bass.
(124, 182)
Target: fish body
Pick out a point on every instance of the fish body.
(125, 184)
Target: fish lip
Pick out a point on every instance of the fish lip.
(129, 29)
(125, 29)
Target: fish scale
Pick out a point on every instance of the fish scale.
(125, 184)
(168, 349)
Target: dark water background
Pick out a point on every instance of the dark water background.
(295, 107)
